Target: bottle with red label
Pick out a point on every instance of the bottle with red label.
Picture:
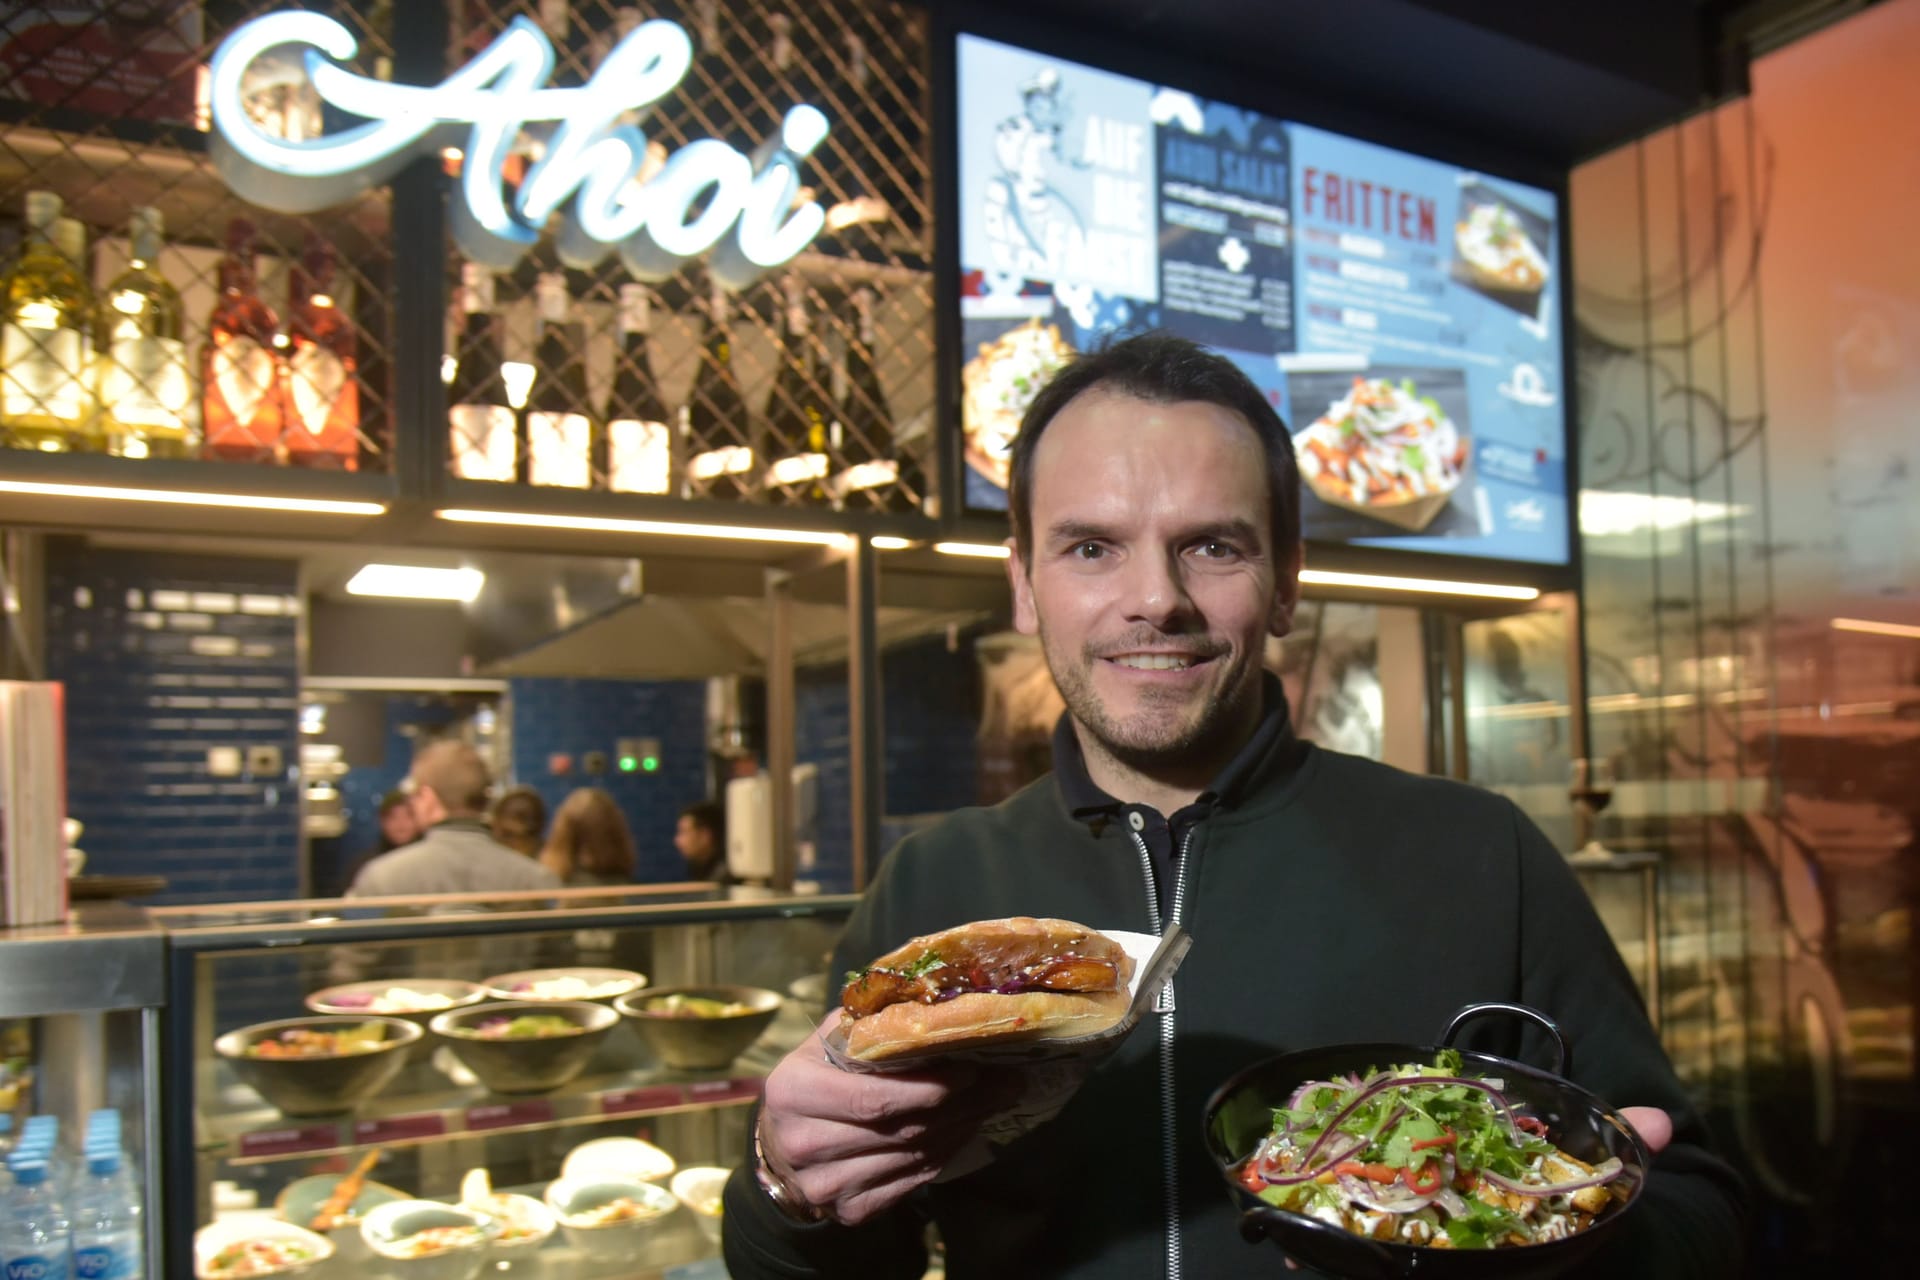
(241, 391)
(323, 391)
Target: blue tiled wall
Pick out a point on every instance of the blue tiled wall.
(573, 717)
(165, 657)
(930, 712)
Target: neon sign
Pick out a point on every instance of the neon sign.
(747, 217)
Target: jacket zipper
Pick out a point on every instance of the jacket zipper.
(1163, 1005)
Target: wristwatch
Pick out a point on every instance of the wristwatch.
(786, 1197)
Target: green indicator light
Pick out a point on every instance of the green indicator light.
(628, 764)
(650, 764)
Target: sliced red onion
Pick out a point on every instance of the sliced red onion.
(1388, 1198)
(1604, 1172)
(1299, 1095)
(1449, 1200)
(1309, 1171)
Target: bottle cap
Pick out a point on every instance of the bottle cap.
(6, 1122)
(28, 1173)
(103, 1163)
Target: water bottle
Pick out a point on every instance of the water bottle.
(33, 1232)
(6, 1135)
(107, 1243)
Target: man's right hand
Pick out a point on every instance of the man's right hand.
(855, 1144)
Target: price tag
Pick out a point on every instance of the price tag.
(725, 1090)
(286, 1142)
(509, 1115)
(660, 1097)
(398, 1129)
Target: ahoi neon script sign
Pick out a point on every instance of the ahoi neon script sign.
(747, 216)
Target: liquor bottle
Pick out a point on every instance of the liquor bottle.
(639, 446)
(714, 422)
(145, 389)
(46, 400)
(323, 387)
(559, 418)
(242, 395)
(481, 443)
(797, 408)
(878, 476)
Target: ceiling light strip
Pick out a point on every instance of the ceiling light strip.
(1869, 627)
(981, 550)
(1429, 586)
(190, 498)
(671, 528)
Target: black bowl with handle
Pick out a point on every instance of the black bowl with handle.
(1240, 1114)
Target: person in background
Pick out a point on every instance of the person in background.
(519, 820)
(701, 837)
(590, 843)
(447, 793)
(398, 827)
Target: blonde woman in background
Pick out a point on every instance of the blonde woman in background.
(589, 842)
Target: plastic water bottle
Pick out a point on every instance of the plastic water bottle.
(34, 1233)
(107, 1241)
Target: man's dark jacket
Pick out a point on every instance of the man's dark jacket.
(1331, 900)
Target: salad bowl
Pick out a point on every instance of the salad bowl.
(1240, 1114)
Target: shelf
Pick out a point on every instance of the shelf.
(424, 1106)
(102, 177)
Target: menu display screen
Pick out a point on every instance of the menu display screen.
(1400, 313)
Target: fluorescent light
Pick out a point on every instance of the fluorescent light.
(884, 543)
(1872, 628)
(675, 528)
(184, 498)
(1432, 586)
(985, 550)
(417, 582)
(1605, 513)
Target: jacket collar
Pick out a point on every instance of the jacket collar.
(1271, 753)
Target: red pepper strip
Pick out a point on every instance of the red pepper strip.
(1381, 1173)
(1531, 1125)
(1425, 1180)
(1444, 1140)
(1250, 1177)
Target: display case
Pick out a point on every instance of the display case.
(80, 1026)
(474, 1082)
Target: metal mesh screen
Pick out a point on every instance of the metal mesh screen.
(864, 63)
(100, 106)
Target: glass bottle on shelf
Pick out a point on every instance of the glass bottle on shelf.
(241, 393)
(559, 417)
(46, 399)
(877, 474)
(145, 389)
(481, 435)
(639, 446)
(323, 386)
(797, 409)
(714, 421)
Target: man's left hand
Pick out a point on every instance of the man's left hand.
(1654, 1126)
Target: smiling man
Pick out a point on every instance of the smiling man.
(1331, 899)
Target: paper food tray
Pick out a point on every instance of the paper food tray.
(1154, 963)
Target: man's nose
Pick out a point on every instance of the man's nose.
(1156, 589)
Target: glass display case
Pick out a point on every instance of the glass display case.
(604, 1053)
(80, 1036)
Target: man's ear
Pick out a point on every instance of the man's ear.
(1026, 619)
(1286, 592)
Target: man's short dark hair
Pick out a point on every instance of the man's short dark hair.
(1158, 367)
(707, 814)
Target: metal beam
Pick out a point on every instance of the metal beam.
(864, 745)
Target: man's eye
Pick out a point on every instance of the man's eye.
(1214, 549)
(1087, 551)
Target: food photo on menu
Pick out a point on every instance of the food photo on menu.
(1500, 247)
(1382, 447)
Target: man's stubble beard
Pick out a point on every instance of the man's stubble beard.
(1147, 740)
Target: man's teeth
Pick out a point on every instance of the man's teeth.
(1154, 661)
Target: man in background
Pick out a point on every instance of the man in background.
(456, 853)
(701, 838)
